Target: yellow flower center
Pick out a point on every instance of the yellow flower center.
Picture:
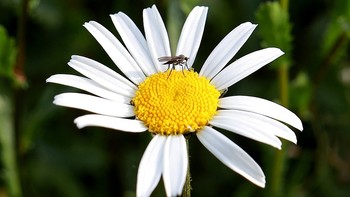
(178, 103)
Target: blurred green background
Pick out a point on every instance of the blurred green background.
(44, 154)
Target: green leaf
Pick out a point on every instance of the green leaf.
(275, 29)
(337, 34)
(7, 54)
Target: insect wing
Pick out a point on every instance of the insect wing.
(176, 60)
(165, 58)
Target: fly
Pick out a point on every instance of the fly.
(174, 60)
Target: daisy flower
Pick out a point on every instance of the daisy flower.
(170, 106)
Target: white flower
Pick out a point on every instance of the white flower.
(177, 104)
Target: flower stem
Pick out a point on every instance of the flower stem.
(277, 183)
(283, 77)
(187, 187)
(7, 142)
(8, 153)
(21, 40)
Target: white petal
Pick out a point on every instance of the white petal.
(191, 34)
(243, 127)
(244, 67)
(156, 36)
(87, 85)
(226, 49)
(151, 166)
(175, 164)
(89, 69)
(116, 51)
(134, 41)
(94, 104)
(264, 124)
(231, 155)
(263, 107)
(98, 66)
(121, 124)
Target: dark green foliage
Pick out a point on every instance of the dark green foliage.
(57, 159)
(7, 54)
(275, 29)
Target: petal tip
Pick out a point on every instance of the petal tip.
(261, 184)
(86, 24)
(261, 181)
(300, 126)
(279, 51)
(48, 80)
(249, 24)
(79, 124)
(293, 139)
(204, 8)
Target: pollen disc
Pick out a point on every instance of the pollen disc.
(178, 103)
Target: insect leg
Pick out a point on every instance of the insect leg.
(182, 66)
(186, 65)
(171, 70)
(168, 67)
